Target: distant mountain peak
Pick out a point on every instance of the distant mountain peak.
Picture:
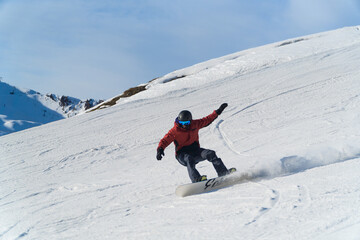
(24, 108)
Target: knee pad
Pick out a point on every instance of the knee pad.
(211, 156)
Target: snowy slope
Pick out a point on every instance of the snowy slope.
(24, 108)
(293, 119)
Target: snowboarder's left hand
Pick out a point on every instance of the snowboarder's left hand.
(160, 154)
(221, 108)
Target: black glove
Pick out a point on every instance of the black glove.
(160, 153)
(221, 108)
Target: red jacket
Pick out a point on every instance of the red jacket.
(186, 137)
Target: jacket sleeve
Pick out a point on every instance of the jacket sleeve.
(206, 121)
(167, 139)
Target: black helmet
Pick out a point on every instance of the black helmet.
(185, 116)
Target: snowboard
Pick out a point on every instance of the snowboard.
(211, 184)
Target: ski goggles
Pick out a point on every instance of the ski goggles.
(184, 123)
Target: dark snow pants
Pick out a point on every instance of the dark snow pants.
(191, 158)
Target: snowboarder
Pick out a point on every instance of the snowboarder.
(185, 135)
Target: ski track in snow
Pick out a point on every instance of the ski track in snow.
(222, 134)
(273, 198)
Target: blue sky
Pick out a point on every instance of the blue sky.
(99, 48)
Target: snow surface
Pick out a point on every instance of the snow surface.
(293, 121)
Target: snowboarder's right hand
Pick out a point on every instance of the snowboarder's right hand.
(160, 154)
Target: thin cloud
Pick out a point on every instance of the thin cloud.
(311, 15)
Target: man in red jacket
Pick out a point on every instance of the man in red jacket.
(185, 135)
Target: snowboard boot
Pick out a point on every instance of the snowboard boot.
(231, 170)
(202, 178)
